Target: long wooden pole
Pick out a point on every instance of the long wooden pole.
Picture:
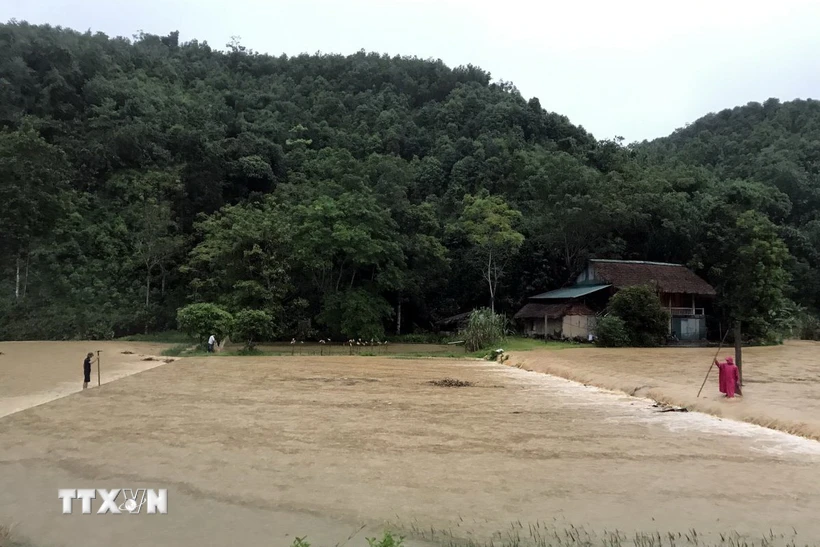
(98, 368)
(713, 361)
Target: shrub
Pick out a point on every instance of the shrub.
(610, 332)
(202, 320)
(419, 338)
(646, 321)
(387, 540)
(810, 328)
(251, 326)
(484, 329)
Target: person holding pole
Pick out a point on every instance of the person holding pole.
(87, 369)
(728, 378)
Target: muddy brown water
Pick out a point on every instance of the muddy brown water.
(255, 451)
(781, 391)
(33, 373)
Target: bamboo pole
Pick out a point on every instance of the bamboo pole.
(98, 368)
(720, 346)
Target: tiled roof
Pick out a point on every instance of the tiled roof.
(669, 278)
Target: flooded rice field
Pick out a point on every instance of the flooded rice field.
(257, 450)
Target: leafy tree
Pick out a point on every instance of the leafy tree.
(488, 223)
(252, 326)
(33, 193)
(355, 313)
(645, 320)
(749, 274)
(243, 259)
(203, 320)
(611, 332)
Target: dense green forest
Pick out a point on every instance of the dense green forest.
(343, 194)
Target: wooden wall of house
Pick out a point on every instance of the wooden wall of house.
(535, 327)
(539, 327)
(577, 326)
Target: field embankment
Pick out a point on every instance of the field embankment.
(781, 391)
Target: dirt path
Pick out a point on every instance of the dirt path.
(33, 373)
(782, 383)
(257, 450)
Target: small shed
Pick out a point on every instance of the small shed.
(454, 322)
(563, 320)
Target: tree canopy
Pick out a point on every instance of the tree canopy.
(339, 194)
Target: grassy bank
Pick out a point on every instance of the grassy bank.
(398, 350)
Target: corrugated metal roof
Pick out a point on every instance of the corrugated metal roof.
(569, 292)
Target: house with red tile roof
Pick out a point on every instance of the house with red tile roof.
(570, 312)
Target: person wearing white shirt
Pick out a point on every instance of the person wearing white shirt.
(211, 343)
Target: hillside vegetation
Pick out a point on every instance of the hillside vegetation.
(337, 192)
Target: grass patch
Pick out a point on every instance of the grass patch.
(520, 343)
(546, 534)
(167, 337)
(176, 351)
(190, 349)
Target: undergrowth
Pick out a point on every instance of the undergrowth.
(542, 534)
(167, 337)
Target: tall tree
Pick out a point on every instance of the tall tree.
(747, 267)
(34, 194)
(489, 225)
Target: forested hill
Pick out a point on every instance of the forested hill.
(335, 192)
(777, 145)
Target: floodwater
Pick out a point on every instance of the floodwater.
(255, 451)
(33, 373)
(781, 383)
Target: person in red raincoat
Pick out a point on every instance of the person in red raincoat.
(728, 377)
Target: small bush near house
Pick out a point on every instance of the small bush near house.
(646, 321)
(611, 332)
(484, 329)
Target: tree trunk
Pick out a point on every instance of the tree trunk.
(398, 320)
(490, 282)
(17, 282)
(25, 277)
(147, 287)
(738, 356)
